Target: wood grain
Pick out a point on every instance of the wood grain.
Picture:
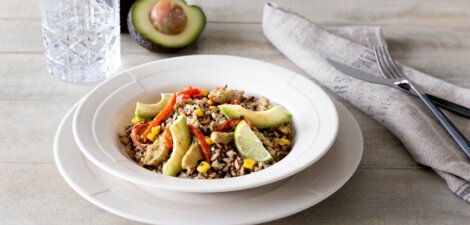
(365, 12)
(389, 187)
(409, 201)
(440, 51)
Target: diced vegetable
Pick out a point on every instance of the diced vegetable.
(203, 167)
(155, 130)
(209, 140)
(202, 142)
(151, 137)
(199, 112)
(285, 141)
(211, 100)
(204, 92)
(135, 120)
(213, 108)
(160, 117)
(249, 164)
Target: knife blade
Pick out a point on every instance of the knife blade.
(361, 75)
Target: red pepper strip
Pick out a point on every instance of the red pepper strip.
(169, 142)
(198, 96)
(160, 117)
(190, 91)
(227, 124)
(182, 98)
(135, 133)
(202, 142)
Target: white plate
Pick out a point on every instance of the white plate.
(109, 108)
(266, 203)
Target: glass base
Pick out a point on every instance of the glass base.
(97, 71)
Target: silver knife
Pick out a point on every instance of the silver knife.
(361, 75)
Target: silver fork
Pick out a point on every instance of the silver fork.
(390, 71)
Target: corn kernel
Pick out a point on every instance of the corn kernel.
(203, 167)
(199, 112)
(270, 106)
(135, 120)
(204, 92)
(249, 164)
(156, 130)
(285, 141)
(151, 136)
(213, 108)
(209, 141)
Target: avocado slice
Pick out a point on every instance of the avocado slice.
(148, 111)
(143, 31)
(181, 141)
(260, 119)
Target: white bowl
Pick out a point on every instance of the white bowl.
(108, 108)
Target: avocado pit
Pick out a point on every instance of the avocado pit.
(168, 17)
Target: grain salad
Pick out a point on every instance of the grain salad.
(202, 134)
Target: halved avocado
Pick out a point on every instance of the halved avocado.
(143, 31)
(273, 117)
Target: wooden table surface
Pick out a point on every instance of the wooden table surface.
(388, 188)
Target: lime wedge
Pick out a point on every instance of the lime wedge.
(249, 145)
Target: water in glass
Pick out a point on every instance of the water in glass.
(81, 38)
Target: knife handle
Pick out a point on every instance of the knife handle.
(458, 137)
(453, 107)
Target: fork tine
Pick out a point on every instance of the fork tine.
(380, 61)
(393, 67)
(387, 62)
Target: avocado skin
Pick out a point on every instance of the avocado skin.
(147, 43)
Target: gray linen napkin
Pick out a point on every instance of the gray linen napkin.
(307, 45)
